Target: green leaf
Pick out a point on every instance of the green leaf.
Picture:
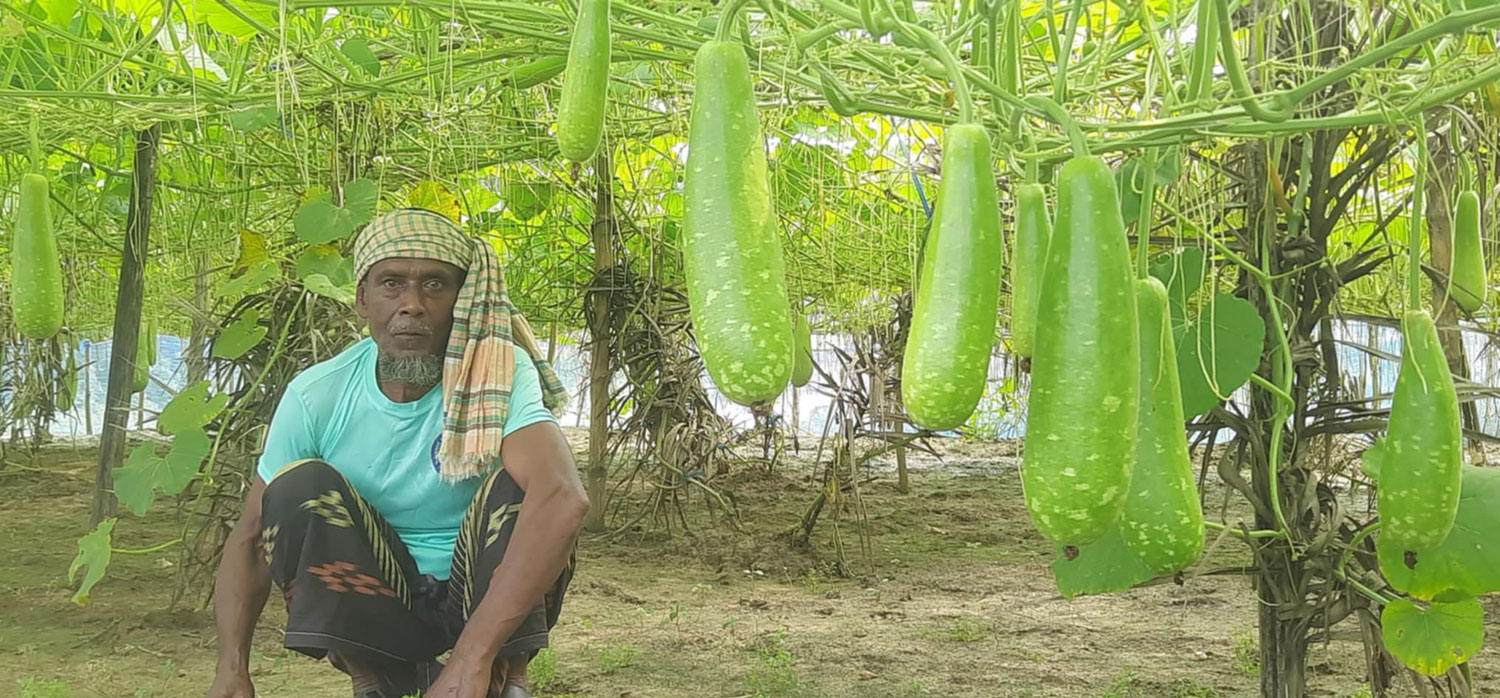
(254, 119)
(1104, 566)
(253, 278)
(1217, 352)
(241, 337)
(526, 200)
(1182, 272)
(136, 481)
(183, 461)
(93, 553)
(358, 51)
(1435, 639)
(325, 260)
(222, 20)
(59, 12)
(191, 408)
(319, 284)
(1131, 182)
(318, 221)
(1468, 559)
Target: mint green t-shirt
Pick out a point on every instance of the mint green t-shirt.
(335, 412)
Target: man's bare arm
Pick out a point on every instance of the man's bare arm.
(552, 512)
(241, 587)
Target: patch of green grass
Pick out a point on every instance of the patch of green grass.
(32, 687)
(617, 656)
(1191, 688)
(542, 669)
(1247, 654)
(775, 677)
(1125, 685)
(1361, 692)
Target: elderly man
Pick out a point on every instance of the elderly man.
(415, 494)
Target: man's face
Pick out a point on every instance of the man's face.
(409, 305)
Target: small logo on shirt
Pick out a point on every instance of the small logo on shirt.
(437, 444)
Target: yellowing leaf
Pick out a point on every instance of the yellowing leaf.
(433, 196)
(252, 251)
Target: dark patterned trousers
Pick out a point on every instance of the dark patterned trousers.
(351, 586)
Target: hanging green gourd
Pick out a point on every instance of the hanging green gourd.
(1163, 519)
(948, 348)
(802, 369)
(731, 248)
(1469, 282)
(1421, 455)
(580, 114)
(1420, 458)
(36, 274)
(1033, 230)
(1085, 365)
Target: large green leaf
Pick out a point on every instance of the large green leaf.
(1217, 352)
(241, 337)
(1435, 639)
(319, 284)
(184, 460)
(191, 408)
(253, 278)
(93, 554)
(136, 481)
(1101, 567)
(145, 473)
(1469, 558)
(318, 221)
(325, 260)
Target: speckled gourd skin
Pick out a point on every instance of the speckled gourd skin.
(948, 348)
(36, 274)
(1163, 519)
(1085, 367)
(731, 251)
(1417, 494)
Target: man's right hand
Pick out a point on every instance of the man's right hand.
(231, 685)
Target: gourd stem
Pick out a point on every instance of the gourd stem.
(146, 551)
(1414, 231)
(1281, 107)
(1143, 222)
(726, 19)
(1054, 111)
(938, 49)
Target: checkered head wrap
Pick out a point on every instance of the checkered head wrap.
(480, 359)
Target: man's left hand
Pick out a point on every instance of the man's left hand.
(461, 679)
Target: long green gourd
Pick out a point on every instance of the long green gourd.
(1033, 231)
(1421, 454)
(580, 114)
(731, 251)
(145, 356)
(36, 274)
(948, 349)
(1163, 519)
(1469, 282)
(1085, 367)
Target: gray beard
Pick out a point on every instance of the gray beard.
(420, 371)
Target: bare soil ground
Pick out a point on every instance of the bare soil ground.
(954, 598)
